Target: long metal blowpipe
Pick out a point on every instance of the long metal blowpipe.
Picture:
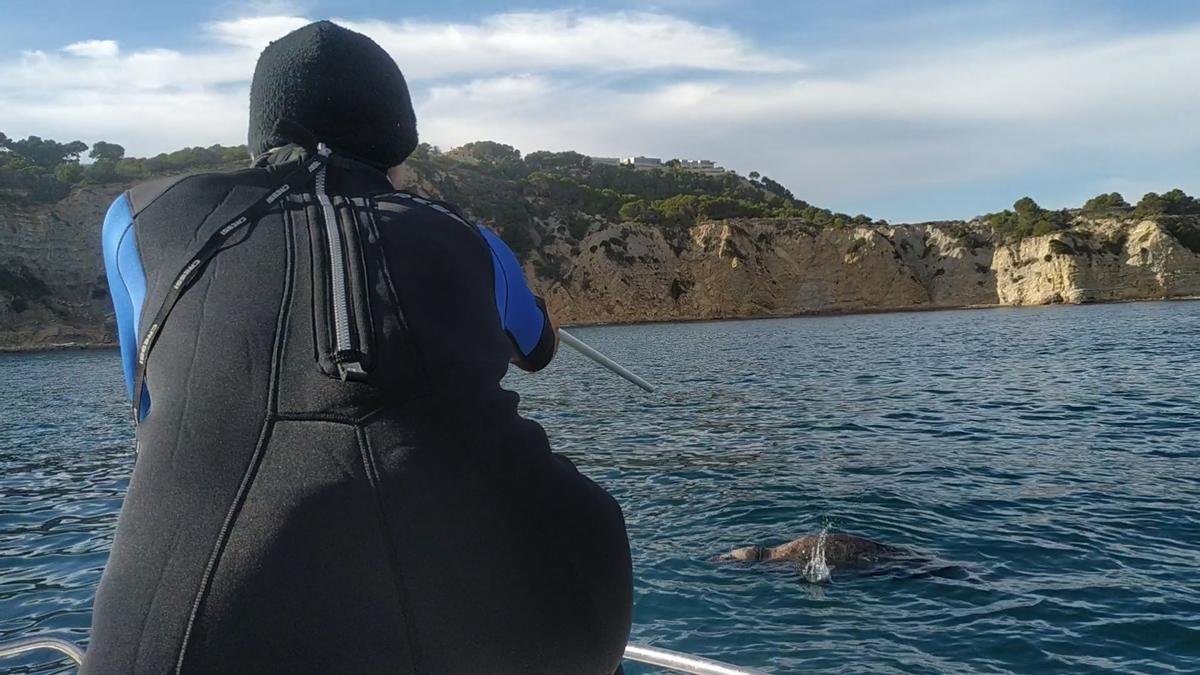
(583, 348)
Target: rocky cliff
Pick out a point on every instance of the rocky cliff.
(52, 286)
(757, 268)
(53, 292)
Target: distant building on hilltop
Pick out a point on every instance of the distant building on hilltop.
(640, 162)
(704, 166)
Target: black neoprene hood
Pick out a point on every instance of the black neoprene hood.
(338, 84)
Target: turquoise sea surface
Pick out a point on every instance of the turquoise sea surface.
(1040, 467)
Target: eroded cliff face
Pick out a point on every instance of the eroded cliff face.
(1105, 261)
(757, 268)
(54, 291)
(631, 272)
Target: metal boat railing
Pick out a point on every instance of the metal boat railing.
(683, 663)
(32, 644)
(677, 661)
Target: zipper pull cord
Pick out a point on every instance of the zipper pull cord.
(343, 341)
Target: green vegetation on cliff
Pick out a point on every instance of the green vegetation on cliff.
(1027, 219)
(1174, 210)
(531, 200)
(546, 198)
(1173, 203)
(43, 170)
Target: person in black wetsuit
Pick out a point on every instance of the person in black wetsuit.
(330, 478)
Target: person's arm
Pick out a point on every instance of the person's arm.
(127, 285)
(528, 323)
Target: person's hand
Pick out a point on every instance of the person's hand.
(523, 363)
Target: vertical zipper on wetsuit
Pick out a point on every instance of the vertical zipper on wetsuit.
(343, 336)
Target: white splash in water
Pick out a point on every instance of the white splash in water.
(817, 570)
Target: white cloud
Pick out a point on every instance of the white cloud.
(934, 120)
(93, 49)
(146, 125)
(57, 93)
(256, 32)
(537, 42)
(899, 121)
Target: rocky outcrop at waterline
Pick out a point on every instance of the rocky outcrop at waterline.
(53, 292)
(776, 267)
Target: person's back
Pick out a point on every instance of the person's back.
(330, 477)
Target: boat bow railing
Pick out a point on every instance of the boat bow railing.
(33, 644)
(683, 663)
(665, 658)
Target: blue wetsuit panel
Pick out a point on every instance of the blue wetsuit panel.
(127, 285)
(519, 311)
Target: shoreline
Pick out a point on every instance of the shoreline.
(914, 309)
(58, 347)
(815, 314)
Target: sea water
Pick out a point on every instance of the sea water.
(1039, 467)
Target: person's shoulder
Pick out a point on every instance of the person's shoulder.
(144, 194)
(427, 209)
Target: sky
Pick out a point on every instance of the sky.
(907, 111)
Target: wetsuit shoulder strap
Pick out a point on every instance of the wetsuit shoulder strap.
(401, 198)
(294, 180)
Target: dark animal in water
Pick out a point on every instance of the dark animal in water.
(837, 550)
